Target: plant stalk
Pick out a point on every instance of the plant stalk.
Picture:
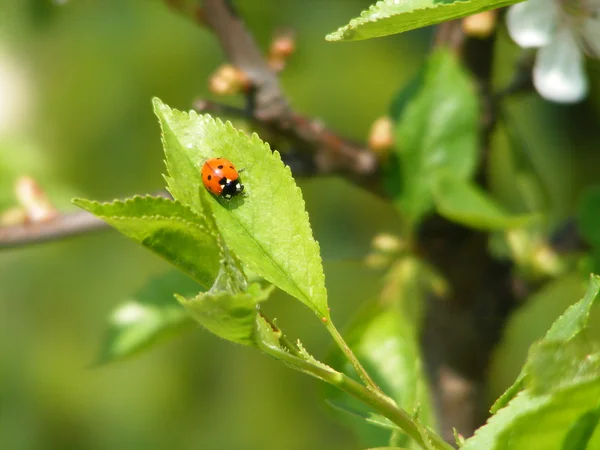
(426, 438)
(362, 373)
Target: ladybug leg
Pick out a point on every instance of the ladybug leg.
(243, 169)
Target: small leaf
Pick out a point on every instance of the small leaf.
(396, 16)
(566, 327)
(436, 130)
(148, 317)
(231, 316)
(267, 336)
(268, 228)
(463, 202)
(310, 358)
(166, 227)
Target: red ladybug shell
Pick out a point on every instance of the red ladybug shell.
(221, 178)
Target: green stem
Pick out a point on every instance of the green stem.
(379, 402)
(362, 373)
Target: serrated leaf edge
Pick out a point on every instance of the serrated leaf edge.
(255, 139)
(372, 15)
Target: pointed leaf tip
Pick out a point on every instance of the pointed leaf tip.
(231, 316)
(267, 227)
(396, 16)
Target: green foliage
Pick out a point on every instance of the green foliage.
(559, 364)
(566, 327)
(267, 228)
(464, 202)
(436, 131)
(148, 317)
(541, 422)
(554, 402)
(385, 337)
(396, 16)
(231, 316)
(168, 228)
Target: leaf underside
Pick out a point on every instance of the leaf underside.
(169, 229)
(396, 16)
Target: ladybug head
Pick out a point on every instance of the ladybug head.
(231, 188)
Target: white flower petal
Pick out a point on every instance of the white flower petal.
(558, 74)
(532, 23)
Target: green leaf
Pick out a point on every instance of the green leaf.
(396, 16)
(148, 317)
(385, 338)
(530, 323)
(231, 316)
(539, 422)
(267, 228)
(555, 369)
(464, 202)
(436, 130)
(557, 364)
(169, 229)
(588, 216)
(566, 327)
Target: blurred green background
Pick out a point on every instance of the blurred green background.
(75, 87)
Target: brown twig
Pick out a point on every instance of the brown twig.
(267, 107)
(64, 225)
(329, 153)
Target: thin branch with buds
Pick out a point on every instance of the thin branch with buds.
(320, 149)
(60, 227)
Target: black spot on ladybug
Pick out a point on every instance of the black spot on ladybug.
(231, 167)
(221, 166)
(209, 177)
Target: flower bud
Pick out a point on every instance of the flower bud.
(282, 47)
(34, 201)
(381, 135)
(480, 25)
(229, 80)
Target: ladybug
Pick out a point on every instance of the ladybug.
(221, 178)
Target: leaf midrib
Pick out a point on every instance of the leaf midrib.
(270, 258)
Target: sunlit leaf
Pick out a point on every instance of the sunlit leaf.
(267, 228)
(396, 16)
(566, 327)
(558, 364)
(168, 228)
(559, 408)
(231, 316)
(537, 422)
